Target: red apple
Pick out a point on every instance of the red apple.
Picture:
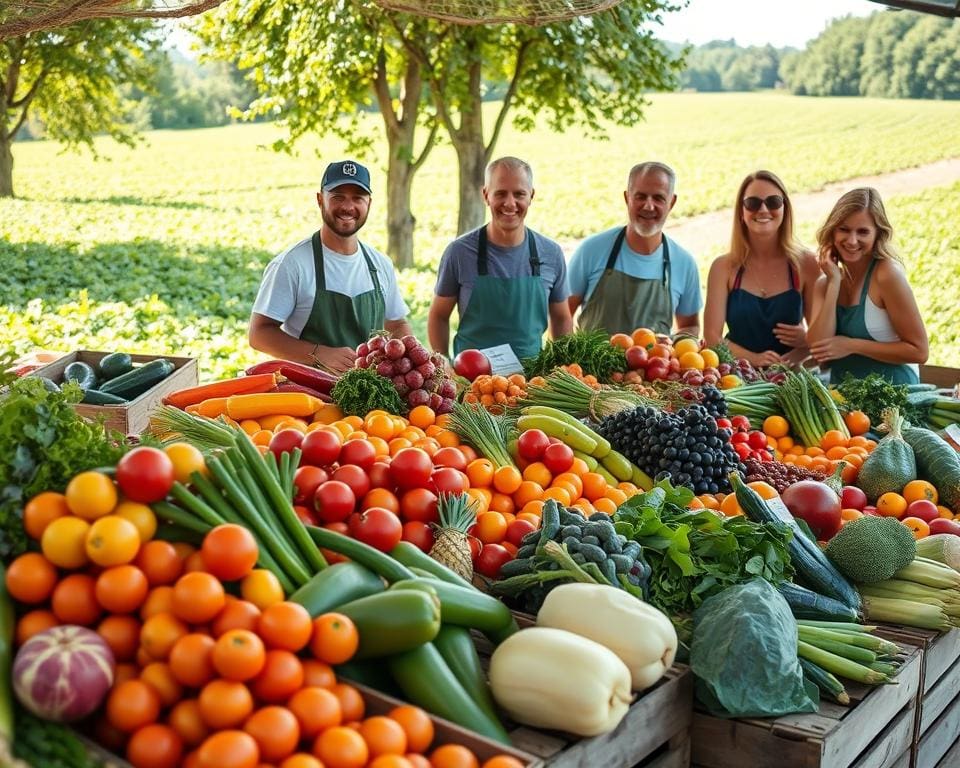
(942, 525)
(924, 509)
(870, 509)
(852, 497)
(636, 357)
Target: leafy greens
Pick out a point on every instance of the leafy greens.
(360, 390)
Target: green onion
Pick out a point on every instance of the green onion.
(484, 431)
(567, 393)
(171, 425)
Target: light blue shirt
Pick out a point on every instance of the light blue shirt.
(590, 259)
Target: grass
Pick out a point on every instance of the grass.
(161, 248)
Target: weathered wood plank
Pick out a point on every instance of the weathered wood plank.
(676, 755)
(952, 758)
(940, 657)
(893, 743)
(940, 738)
(940, 697)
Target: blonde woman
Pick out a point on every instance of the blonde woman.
(865, 316)
(763, 288)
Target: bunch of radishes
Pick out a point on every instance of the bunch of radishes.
(419, 377)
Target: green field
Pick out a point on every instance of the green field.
(161, 248)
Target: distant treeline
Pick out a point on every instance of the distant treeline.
(889, 54)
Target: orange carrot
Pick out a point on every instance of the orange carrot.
(242, 385)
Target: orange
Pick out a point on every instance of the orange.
(857, 422)
(225, 704)
(562, 495)
(804, 461)
(131, 705)
(262, 588)
(501, 503)
(380, 446)
(730, 507)
(491, 527)
(695, 503)
(31, 578)
(621, 340)
(692, 360)
(91, 495)
(341, 747)
(891, 505)
(846, 515)
(585, 507)
(858, 442)
(158, 676)
(380, 426)
(480, 473)
(285, 625)
(422, 416)
(832, 438)
(854, 459)
(643, 337)
(159, 600)
(33, 623)
(594, 486)
(945, 512)
(122, 588)
(482, 497)
(74, 600)
(813, 450)
(533, 507)
(836, 452)
(275, 730)
(528, 491)
(570, 488)
(580, 467)
(507, 479)
(776, 426)
(160, 633)
(916, 490)
(453, 756)
(416, 724)
(351, 702)
(615, 495)
(384, 736)
(447, 439)
(537, 472)
(42, 510)
(765, 490)
(709, 501)
(919, 528)
(198, 597)
(571, 479)
(186, 720)
(64, 541)
(604, 504)
(398, 444)
(316, 709)
(710, 357)
(188, 459)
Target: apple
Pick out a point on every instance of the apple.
(870, 509)
(636, 357)
(471, 363)
(942, 525)
(852, 497)
(924, 509)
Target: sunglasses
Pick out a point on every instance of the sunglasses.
(753, 204)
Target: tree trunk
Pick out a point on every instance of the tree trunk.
(472, 160)
(400, 221)
(6, 164)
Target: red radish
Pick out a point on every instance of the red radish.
(63, 673)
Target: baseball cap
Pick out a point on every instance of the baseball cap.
(345, 172)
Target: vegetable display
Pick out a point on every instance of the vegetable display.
(591, 350)
(361, 390)
(417, 376)
(809, 407)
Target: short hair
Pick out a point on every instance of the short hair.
(857, 200)
(641, 169)
(511, 163)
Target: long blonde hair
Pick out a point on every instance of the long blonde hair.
(857, 200)
(740, 240)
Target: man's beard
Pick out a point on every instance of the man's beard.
(337, 226)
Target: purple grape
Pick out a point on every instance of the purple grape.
(446, 405)
(427, 369)
(414, 380)
(435, 401)
(363, 350)
(394, 349)
(403, 365)
(385, 369)
(418, 355)
(418, 397)
(376, 343)
(448, 389)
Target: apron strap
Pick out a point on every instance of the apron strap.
(738, 279)
(615, 251)
(666, 262)
(373, 270)
(482, 253)
(866, 282)
(318, 261)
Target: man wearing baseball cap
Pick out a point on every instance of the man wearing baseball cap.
(322, 297)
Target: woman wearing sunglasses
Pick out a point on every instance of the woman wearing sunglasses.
(763, 288)
(865, 316)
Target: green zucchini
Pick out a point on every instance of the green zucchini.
(134, 383)
(412, 556)
(826, 682)
(333, 586)
(807, 604)
(936, 462)
(81, 373)
(382, 564)
(115, 364)
(372, 674)
(464, 607)
(457, 648)
(393, 622)
(49, 384)
(96, 397)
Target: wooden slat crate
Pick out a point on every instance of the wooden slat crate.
(875, 731)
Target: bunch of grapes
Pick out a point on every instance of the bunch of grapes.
(709, 397)
(418, 376)
(686, 446)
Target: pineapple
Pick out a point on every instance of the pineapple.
(451, 546)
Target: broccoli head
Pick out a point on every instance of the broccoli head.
(871, 549)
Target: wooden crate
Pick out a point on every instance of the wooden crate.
(945, 378)
(132, 417)
(875, 731)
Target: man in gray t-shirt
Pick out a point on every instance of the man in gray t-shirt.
(507, 281)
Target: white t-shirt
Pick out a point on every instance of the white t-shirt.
(290, 283)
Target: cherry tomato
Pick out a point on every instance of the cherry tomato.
(285, 440)
(355, 477)
(742, 449)
(532, 443)
(419, 504)
(740, 422)
(305, 514)
(517, 530)
(334, 501)
(757, 441)
(145, 475)
(320, 448)
(740, 437)
(491, 560)
(724, 424)
(359, 452)
(379, 474)
(449, 480)
(411, 468)
(306, 480)
(419, 534)
(450, 457)
(558, 458)
(377, 527)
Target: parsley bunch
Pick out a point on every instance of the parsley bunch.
(361, 390)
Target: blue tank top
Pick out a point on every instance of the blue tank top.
(751, 318)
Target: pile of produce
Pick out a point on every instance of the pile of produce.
(417, 375)
(114, 380)
(497, 393)
(809, 407)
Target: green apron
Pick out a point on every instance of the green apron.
(337, 320)
(621, 303)
(851, 322)
(504, 310)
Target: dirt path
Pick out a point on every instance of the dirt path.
(707, 233)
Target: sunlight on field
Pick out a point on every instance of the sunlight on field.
(161, 248)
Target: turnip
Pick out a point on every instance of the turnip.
(394, 349)
(374, 359)
(385, 369)
(403, 365)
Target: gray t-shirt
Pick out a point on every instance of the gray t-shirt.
(458, 266)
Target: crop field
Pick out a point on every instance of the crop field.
(161, 248)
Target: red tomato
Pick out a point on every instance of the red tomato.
(419, 504)
(491, 560)
(757, 441)
(306, 515)
(742, 449)
(411, 468)
(517, 530)
(558, 458)
(306, 480)
(419, 534)
(377, 527)
(358, 452)
(145, 475)
(724, 424)
(471, 363)
(334, 501)
(474, 548)
(229, 552)
(449, 480)
(450, 457)
(355, 477)
(379, 474)
(320, 448)
(285, 440)
(532, 443)
(925, 509)
(331, 556)
(740, 437)
(740, 422)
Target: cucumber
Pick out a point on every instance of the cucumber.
(806, 604)
(393, 622)
(341, 582)
(134, 383)
(96, 397)
(115, 364)
(81, 373)
(458, 651)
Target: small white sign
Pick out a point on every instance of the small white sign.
(502, 359)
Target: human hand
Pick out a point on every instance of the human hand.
(334, 359)
(764, 359)
(791, 335)
(831, 348)
(828, 266)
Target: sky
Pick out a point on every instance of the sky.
(758, 22)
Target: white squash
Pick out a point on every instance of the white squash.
(639, 634)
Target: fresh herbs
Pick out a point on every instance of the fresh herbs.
(51, 745)
(696, 553)
(361, 390)
(872, 395)
(592, 350)
(43, 444)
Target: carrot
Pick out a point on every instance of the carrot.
(212, 407)
(245, 385)
(272, 403)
